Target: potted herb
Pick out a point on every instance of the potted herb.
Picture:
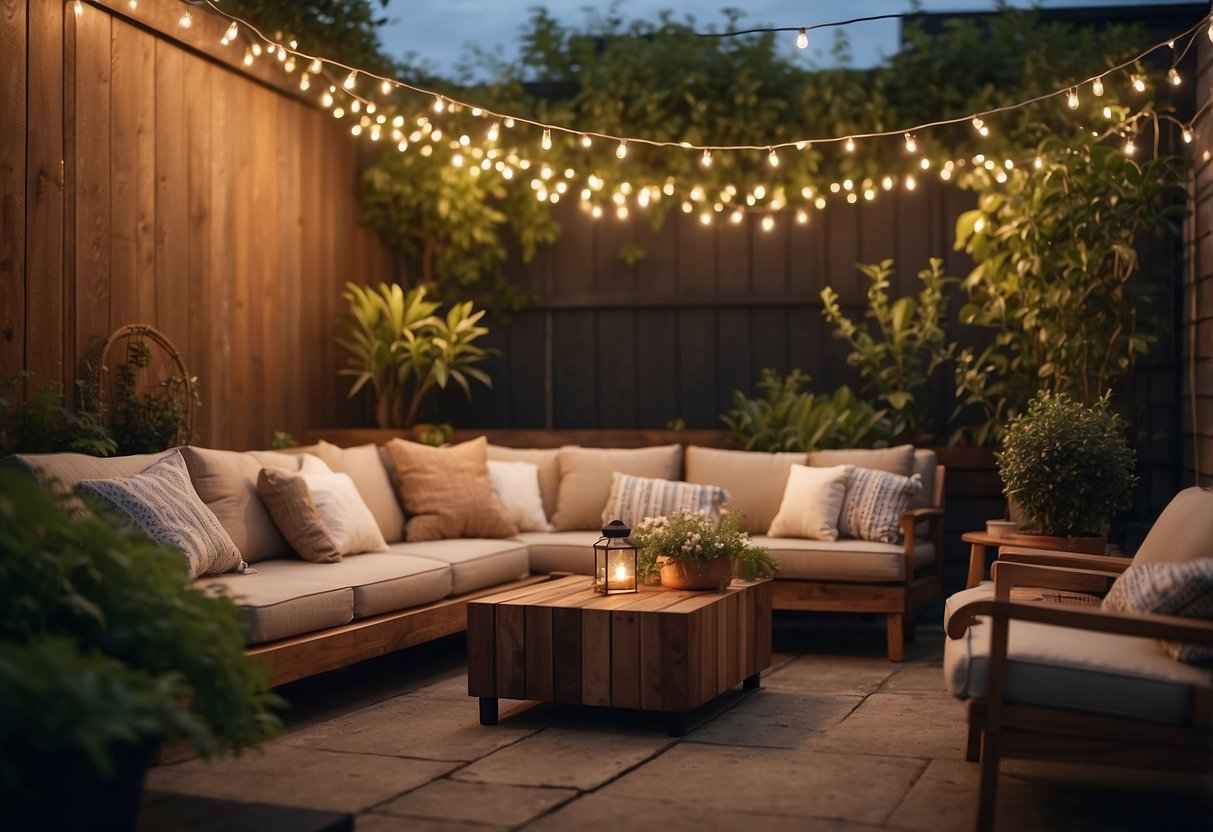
(1068, 468)
(106, 652)
(694, 551)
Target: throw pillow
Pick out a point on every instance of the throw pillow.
(447, 492)
(811, 503)
(632, 499)
(1168, 589)
(585, 479)
(516, 485)
(548, 460)
(347, 518)
(874, 503)
(290, 503)
(162, 502)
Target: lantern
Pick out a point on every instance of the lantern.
(615, 560)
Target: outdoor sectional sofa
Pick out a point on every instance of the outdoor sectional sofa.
(307, 617)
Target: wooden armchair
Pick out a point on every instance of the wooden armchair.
(1075, 683)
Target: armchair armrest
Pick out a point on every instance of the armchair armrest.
(1008, 574)
(1019, 554)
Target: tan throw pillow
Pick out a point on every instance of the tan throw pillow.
(811, 503)
(446, 492)
(755, 480)
(290, 504)
(548, 461)
(585, 479)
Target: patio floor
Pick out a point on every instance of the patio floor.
(837, 738)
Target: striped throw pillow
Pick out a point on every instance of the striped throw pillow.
(873, 505)
(1184, 589)
(632, 499)
(161, 501)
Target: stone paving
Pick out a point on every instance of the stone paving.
(837, 738)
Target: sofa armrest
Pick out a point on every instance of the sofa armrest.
(909, 521)
(1020, 554)
(1008, 574)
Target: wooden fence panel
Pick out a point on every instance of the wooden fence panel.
(14, 31)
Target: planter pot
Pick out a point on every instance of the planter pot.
(695, 574)
(1001, 528)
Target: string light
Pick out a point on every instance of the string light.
(850, 145)
(622, 150)
(802, 216)
(911, 184)
(316, 66)
(546, 141)
(248, 61)
(230, 34)
(707, 158)
(494, 131)
(768, 223)
(186, 20)
(78, 8)
(586, 141)
(911, 144)
(1130, 147)
(351, 79)
(386, 87)
(439, 104)
(1097, 86)
(1174, 77)
(1139, 84)
(773, 158)
(1072, 98)
(134, 4)
(802, 39)
(1187, 134)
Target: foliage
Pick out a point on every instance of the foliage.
(786, 418)
(697, 537)
(1057, 277)
(44, 423)
(105, 641)
(150, 416)
(405, 351)
(1067, 465)
(283, 439)
(904, 342)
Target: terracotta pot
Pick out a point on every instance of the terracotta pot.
(695, 574)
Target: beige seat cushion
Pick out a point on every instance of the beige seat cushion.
(446, 492)
(843, 560)
(1183, 532)
(561, 551)
(585, 479)
(755, 480)
(289, 597)
(227, 482)
(390, 581)
(548, 460)
(474, 564)
(1079, 670)
(63, 471)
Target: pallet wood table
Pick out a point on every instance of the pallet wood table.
(654, 650)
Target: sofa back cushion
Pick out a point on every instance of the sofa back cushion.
(755, 480)
(61, 472)
(548, 462)
(227, 482)
(902, 460)
(1183, 532)
(368, 467)
(585, 479)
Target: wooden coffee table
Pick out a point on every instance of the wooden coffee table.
(654, 650)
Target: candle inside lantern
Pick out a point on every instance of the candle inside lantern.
(623, 578)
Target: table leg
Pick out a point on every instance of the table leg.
(977, 565)
(488, 710)
(677, 724)
(752, 682)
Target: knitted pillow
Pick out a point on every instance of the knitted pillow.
(162, 502)
(632, 499)
(874, 503)
(1168, 589)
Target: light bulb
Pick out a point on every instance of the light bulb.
(494, 131)
(737, 216)
(847, 184)
(911, 184)
(386, 87)
(802, 216)
(305, 81)
(850, 145)
(1187, 135)
(351, 79)
(622, 150)
(1038, 163)
(852, 198)
(705, 218)
(1173, 77)
(281, 54)
(869, 194)
(1097, 86)
(326, 100)
(1130, 147)
(768, 222)
(1072, 99)
(911, 144)
(546, 141)
(186, 20)
(586, 141)
(622, 212)
(979, 225)
(232, 31)
(802, 39)
(439, 104)
(316, 66)
(1107, 112)
(887, 183)
(1139, 85)
(338, 113)
(925, 163)
(707, 158)
(134, 4)
(78, 8)
(820, 202)
(248, 58)
(773, 158)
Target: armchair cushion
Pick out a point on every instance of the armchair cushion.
(1183, 532)
(1168, 589)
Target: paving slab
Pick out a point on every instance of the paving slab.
(599, 813)
(926, 678)
(288, 776)
(776, 718)
(901, 724)
(374, 822)
(485, 803)
(785, 783)
(417, 726)
(566, 757)
(853, 676)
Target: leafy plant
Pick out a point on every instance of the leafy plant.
(105, 643)
(1067, 465)
(1057, 279)
(44, 423)
(405, 351)
(283, 439)
(904, 342)
(699, 538)
(786, 418)
(147, 415)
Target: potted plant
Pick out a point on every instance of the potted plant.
(405, 351)
(106, 652)
(1068, 468)
(694, 551)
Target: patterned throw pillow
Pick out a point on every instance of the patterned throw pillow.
(1168, 589)
(162, 502)
(632, 499)
(874, 503)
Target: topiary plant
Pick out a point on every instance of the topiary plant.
(1067, 465)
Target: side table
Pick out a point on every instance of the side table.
(980, 541)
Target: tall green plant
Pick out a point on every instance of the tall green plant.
(45, 423)
(903, 343)
(405, 351)
(1057, 279)
(784, 417)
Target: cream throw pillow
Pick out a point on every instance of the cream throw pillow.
(548, 462)
(811, 503)
(447, 492)
(341, 508)
(585, 479)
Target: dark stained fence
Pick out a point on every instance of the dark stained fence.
(1196, 324)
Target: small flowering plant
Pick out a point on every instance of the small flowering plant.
(697, 537)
